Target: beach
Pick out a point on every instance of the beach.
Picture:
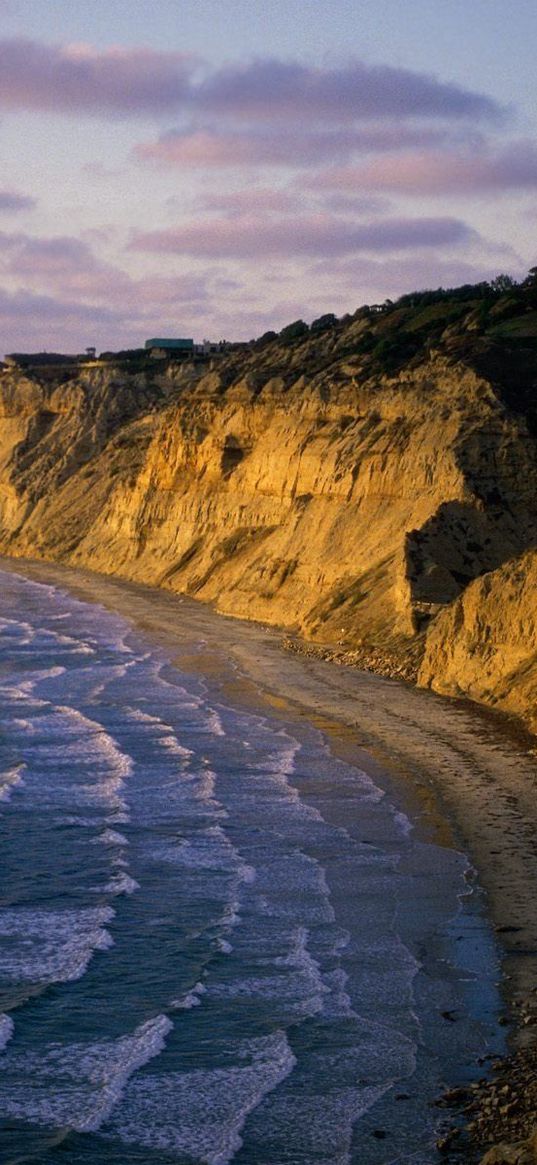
(465, 777)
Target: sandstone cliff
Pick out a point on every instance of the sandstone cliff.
(374, 485)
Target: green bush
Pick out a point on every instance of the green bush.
(294, 331)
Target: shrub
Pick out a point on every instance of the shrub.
(294, 331)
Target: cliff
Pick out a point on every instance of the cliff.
(371, 486)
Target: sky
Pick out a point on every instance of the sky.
(216, 168)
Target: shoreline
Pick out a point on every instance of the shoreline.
(463, 778)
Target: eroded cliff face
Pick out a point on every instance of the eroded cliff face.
(289, 486)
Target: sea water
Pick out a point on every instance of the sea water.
(217, 942)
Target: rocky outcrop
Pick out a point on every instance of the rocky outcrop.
(376, 510)
(484, 645)
(521, 1153)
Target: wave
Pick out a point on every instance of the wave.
(202, 1113)
(11, 779)
(89, 1079)
(6, 1030)
(191, 999)
(46, 946)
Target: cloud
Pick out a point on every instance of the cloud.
(68, 266)
(116, 311)
(253, 201)
(80, 79)
(133, 81)
(368, 277)
(212, 147)
(322, 235)
(11, 201)
(270, 89)
(62, 263)
(512, 168)
(25, 304)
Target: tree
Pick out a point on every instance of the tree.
(294, 331)
(501, 284)
(323, 323)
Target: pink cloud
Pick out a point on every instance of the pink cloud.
(81, 79)
(265, 146)
(512, 168)
(252, 237)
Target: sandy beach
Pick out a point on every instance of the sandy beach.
(466, 776)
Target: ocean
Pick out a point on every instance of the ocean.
(218, 941)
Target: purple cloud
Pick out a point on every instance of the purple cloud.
(321, 235)
(211, 147)
(68, 266)
(25, 304)
(381, 277)
(81, 79)
(11, 201)
(64, 264)
(512, 168)
(272, 89)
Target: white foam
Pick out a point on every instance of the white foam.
(303, 965)
(28, 685)
(107, 748)
(293, 876)
(310, 1126)
(72, 819)
(51, 946)
(403, 823)
(121, 884)
(201, 1114)
(69, 735)
(163, 733)
(106, 794)
(191, 999)
(16, 627)
(119, 817)
(215, 725)
(88, 1079)
(210, 849)
(10, 779)
(337, 1002)
(6, 1030)
(111, 837)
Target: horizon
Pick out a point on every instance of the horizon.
(223, 172)
(376, 309)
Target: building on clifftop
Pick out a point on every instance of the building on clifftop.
(160, 348)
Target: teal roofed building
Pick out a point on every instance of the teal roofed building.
(160, 348)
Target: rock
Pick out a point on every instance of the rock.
(445, 1143)
(520, 1153)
